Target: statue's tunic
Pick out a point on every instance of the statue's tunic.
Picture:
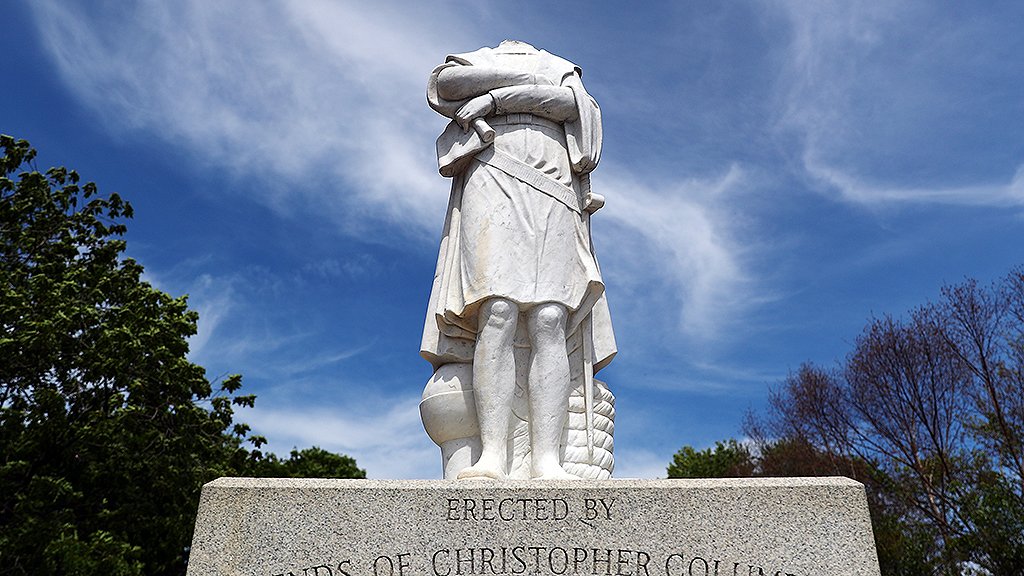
(504, 238)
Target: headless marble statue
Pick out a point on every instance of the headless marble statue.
(518, 323)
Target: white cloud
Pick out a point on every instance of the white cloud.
(309, 93)
(239, 327)
(213, 299)
(828, 52)
(856, 189)
(679, 232)
(640, 464)
(334, 89)
(386, 439)
(860, 85)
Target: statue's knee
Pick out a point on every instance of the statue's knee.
(548, 320)
(499, 313)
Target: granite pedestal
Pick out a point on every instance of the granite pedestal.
(727, 527)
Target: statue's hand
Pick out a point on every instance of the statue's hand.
(476, 108)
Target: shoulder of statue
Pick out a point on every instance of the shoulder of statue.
(564, 66)
(474, 58)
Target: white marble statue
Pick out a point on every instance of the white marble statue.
(518, 323)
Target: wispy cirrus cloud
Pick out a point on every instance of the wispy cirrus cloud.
(269, 90)
(326, 99)
(680, 232)
(882, 110)
(214, 298)
(861, 191)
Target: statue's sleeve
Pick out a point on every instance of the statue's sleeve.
(556, 103)
(446, 108)
(583, 135)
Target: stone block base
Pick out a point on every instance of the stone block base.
(727, 527)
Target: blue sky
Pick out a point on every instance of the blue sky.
(776, 173)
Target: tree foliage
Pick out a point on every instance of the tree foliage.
(107, 431)
(928, 412)
(728, 459)
(307, 463)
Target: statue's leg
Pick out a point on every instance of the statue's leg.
(494, 381)
(549, 388)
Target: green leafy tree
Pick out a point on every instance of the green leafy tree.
(107, 431)
(308, 463)
(728, 459)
